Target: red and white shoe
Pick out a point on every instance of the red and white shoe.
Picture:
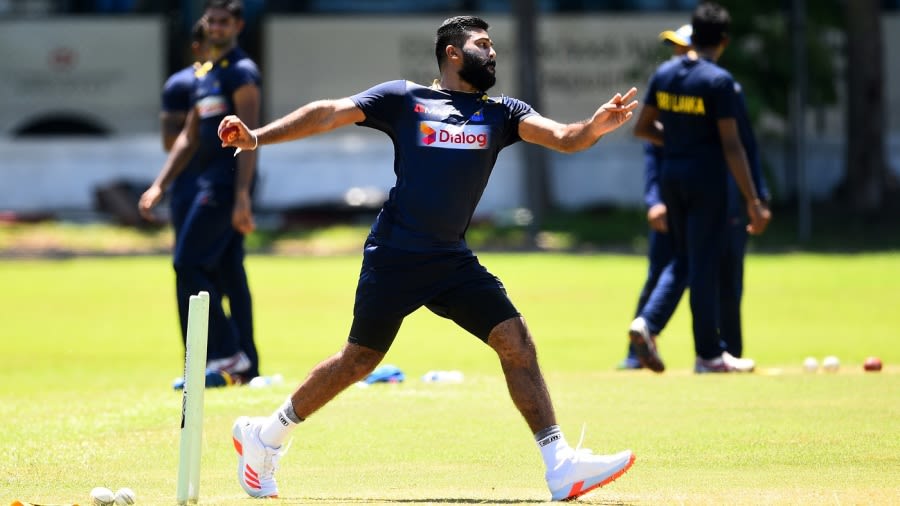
(257, 462)
(582, 471)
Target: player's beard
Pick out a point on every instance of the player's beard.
(475, 71)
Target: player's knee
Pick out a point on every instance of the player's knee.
(360, 359)
(512, 342)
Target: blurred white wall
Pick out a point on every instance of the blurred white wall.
(584, 60)
(106, 70)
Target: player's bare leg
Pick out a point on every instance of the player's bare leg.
(571, 472)
(332, 376)
(259, 440)
(518, 358)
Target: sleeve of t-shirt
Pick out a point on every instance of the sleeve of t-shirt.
(724, 98)
(246, 72)
(176, 93)
(516, 111)
(381, 103)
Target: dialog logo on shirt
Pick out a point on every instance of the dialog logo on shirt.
(212, 106)
(441, 135)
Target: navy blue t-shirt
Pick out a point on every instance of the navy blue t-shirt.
(176, 97)
(736, 206)
(691, 96)
(176, 93)
(214, 99)
(445, 146)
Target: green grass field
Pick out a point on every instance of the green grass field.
(91, 346)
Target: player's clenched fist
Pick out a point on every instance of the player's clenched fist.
(234, 133)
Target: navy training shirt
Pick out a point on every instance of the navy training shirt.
(214, 99)
(691, 96)
(736, 205)
(176, 93)
(445, 146)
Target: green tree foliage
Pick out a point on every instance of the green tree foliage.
(760, 52)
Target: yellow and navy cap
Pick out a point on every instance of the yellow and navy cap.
(680, 37)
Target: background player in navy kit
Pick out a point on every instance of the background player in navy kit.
(231, 277)
(661, 249)
(696, 104)
(446, 139)
(211, 237)
(731, 269)
(659, 242)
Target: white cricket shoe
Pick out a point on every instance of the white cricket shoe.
(257, 462)
(235, 364)
(582, 471)
(645, 345)
(725, 363)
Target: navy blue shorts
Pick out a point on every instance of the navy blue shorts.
(453, 284)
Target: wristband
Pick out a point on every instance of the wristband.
(255, 143)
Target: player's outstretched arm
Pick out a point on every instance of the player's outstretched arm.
(313, 118)
(572, 137)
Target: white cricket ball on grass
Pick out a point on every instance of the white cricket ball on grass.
(831, 363)
(102, 496)
(124, 496)
(810, 364)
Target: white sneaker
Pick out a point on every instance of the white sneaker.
(725, 363)
(645, 345)
(582, 471)
(257, 462)
(235, 364)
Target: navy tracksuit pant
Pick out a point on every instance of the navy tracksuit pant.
(731, 283)
(209, 255)
(731, 279)
(696, 211)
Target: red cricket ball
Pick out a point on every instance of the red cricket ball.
(230, 134)
(872, 364)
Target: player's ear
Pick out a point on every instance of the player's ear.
(453, 52)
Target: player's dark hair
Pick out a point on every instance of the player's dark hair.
(234, 7)
(710, 22)
(198, 32)
(454, 32)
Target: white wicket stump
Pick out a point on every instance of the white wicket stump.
(192, 400)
